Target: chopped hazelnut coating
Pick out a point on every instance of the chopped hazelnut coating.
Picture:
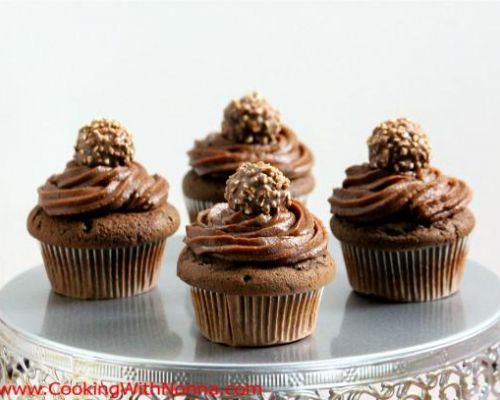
(258, 188)
(399, 145)
(251, 119)
(104, 142)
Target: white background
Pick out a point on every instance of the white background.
(167, 70)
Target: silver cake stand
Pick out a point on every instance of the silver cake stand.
(446, 349)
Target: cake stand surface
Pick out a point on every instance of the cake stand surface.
(447, 349)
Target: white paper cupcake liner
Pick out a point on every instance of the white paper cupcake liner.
(413, 275)
(195, 206)
(103, 273)
(255, 320)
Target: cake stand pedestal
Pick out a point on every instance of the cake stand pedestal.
(362, 349)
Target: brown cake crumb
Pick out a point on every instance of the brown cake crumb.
(258, 188)
(251, 119)
(104, 142)
(399, 145)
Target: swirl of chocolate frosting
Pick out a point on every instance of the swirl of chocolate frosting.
(370, 194)
(81, 189)
(287, 237)
(218, 156)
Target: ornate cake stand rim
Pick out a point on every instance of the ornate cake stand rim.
(493, 324)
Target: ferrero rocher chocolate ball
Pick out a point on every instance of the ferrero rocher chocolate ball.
(104, 142)
(399, 145)
(251, 119)
(258, 188)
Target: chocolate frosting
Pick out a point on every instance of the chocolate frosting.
(217, 156)
(372, 194)
(287, 237)
(80, 189)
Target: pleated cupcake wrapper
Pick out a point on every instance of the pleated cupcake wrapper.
(421, 274)
(305, 349)
(103, 273)
(195, 206)
(255, 320)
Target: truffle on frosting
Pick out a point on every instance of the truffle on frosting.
(399, 145)
(251, 119)
(104, 142)
(258, 188)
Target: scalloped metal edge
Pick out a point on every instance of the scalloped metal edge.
(286, 376)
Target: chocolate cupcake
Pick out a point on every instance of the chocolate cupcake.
(251, 131)
(402, 223)
(103, 222)
(256, 264)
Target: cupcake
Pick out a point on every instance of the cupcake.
(103, 222)
(251, 131)
(403, 224)
(256, 264)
